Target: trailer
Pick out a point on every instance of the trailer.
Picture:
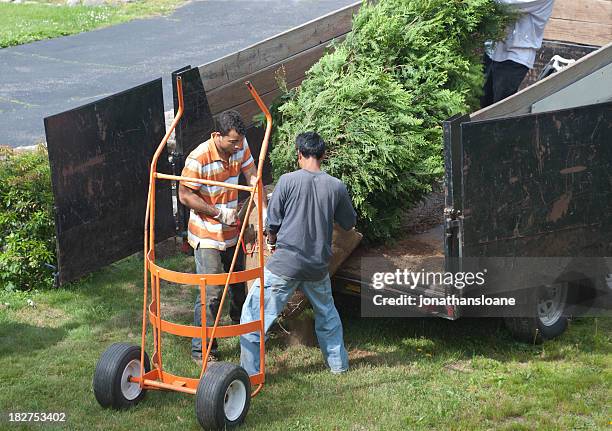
(527, 193)
(528, 198)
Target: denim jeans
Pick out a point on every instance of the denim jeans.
(212, 261)
(277, 291)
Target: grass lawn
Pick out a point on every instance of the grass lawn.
(45, 19)
(406, 374)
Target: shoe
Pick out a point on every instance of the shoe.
(198, 359)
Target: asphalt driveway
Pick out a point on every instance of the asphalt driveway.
(52, 76)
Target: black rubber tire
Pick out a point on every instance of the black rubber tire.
(531, 329)
(210, 395)
(107, 377)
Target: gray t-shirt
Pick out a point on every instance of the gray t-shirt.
(302, 212)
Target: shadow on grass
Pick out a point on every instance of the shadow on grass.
(400, 342)
(419, 350)
(23, 339)
(370, 341)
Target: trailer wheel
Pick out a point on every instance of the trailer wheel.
(548, 304)
(223, 396)
(110, 383)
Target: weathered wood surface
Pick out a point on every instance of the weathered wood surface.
(99, 155)
(271, 51)
(295, 51)
(592, 89)
(452, 160)
(587, 22)
(539, 185)
(250, 108)
(235, 93)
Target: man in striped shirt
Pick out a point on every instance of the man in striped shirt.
(213, 230)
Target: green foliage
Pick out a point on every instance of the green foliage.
(44, 19)
(27, 232)
(379, 98)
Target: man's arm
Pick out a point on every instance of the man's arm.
(345, 214)
(187, 190)
(190, 199)
(276, 210)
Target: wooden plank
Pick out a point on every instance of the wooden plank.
(250, 108)
(235, 92)
(270, 51)
(592, 89)
(521, 102)
(592, 11)
(588, 33)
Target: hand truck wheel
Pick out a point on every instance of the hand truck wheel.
(111, 384)
(223, 396)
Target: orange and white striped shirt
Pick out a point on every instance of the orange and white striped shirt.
(205, 163)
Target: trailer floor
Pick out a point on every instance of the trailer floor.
(421, 246)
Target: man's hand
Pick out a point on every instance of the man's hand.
(227, 216)
(192, 200)
(271, 242)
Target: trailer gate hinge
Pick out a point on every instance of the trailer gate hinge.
(452, 220)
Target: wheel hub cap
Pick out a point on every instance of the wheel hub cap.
(235, 400)
(551, 302)
(130, 390)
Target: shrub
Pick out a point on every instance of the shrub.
(27, 233)
(379, 98)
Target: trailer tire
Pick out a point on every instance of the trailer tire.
(223, 396)
(549, 305)
(110, 385)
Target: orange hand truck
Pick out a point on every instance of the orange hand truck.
(123, 373)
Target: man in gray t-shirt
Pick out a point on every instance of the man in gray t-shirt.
(301, 215)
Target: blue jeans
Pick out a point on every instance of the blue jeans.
(277, 291)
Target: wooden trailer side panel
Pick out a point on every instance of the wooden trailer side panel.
(587, 22)
(539, 185)
(295, 50)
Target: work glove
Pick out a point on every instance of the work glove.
(228, 216)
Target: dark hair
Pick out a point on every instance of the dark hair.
(310, 144)
(229, 120)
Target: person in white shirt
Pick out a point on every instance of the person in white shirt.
(507, 62)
